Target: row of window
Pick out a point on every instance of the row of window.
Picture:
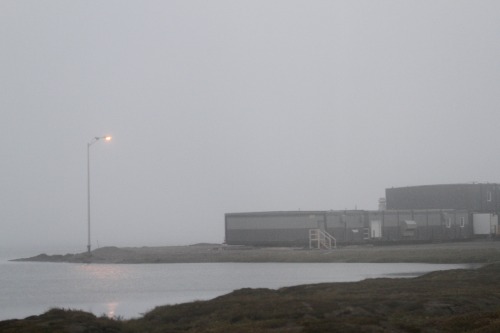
(449, 220)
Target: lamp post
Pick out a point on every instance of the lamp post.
(94, 140)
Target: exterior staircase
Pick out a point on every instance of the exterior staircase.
(319, 239)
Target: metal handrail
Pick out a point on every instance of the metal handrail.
(321, 238)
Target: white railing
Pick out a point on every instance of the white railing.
(321, 239)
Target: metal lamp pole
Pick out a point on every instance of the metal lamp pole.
(94, 140)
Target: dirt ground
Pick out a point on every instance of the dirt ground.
(486, 251)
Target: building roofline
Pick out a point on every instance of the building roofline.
(342, 211)
(442, 185)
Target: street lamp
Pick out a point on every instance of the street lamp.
(94, 140)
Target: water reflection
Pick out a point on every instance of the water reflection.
(129, 290)
(110, 278)
(105, 272)
(111, 309)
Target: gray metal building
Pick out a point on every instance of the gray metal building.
(426, 213)
(272, 228)
(483, 198)
(347, 227)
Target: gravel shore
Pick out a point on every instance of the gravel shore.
(486, 251)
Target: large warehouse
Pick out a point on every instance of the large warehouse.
(484, 198)
(414, 214)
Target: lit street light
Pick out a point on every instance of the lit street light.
(94, 140)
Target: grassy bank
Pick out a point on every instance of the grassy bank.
(446, 301)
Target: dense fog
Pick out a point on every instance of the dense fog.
(233, 106)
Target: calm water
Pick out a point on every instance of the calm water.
(129, 290)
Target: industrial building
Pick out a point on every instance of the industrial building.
(432, 213)
(476, 197)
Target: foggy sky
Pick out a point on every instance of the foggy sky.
(234, 106)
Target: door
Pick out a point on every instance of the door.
(376, 229)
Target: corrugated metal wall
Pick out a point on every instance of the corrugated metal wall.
(471, 197)
(272, 229)
(348, 227)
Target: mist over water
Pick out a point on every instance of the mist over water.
(28, 251)
(234, 106)
(128, 290)
(224, 106)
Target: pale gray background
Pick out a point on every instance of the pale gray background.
(231, 106)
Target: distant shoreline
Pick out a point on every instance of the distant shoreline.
(445, 301)
(485, 251)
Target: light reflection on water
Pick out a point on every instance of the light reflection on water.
(104, 272)
(111, 309)
(108, 274)
(130, 290)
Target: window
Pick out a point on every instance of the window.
(409, 228)
(488, 196)
(462, 222)
(448, 222)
